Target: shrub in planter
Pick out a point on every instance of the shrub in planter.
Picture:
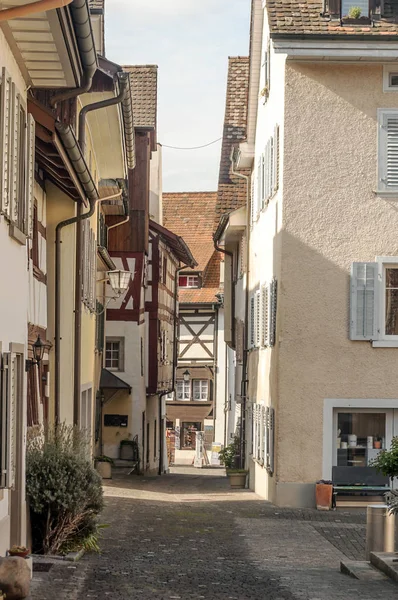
(229, 453)
(386, 462)
(63, 488)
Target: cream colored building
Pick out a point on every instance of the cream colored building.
(322, 267)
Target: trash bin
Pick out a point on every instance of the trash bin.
(380, 529)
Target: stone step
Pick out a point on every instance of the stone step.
(387, 562)
(361, 569)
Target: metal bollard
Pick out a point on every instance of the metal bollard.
(380, 530)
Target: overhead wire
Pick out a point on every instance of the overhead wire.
(193, 147)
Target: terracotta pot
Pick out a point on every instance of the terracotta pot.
(104, 469)
(376, 445)
(323, 496)
(237, 480)
(20, 554)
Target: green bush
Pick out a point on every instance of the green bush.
(386, 462)
(63, 488)
(228, 454)
(354, 12)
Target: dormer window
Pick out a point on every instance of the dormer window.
(189, 281)
(353, 11)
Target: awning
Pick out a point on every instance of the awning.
(110, 381)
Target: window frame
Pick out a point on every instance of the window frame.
(382, 187)
(389, 70)
(384, 262)
(201, 382)
(190, 276)
(184, 385)
(120, 341)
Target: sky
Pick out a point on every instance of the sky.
(190, 41)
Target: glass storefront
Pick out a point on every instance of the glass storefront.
(360, 437)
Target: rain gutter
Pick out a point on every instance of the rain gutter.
(88, 55)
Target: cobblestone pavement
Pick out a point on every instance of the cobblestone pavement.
(188, 536)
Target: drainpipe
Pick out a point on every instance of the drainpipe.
(30, 9)
(246, 345)
(88, 55)
(80, 217)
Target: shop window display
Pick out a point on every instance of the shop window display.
(360, 437)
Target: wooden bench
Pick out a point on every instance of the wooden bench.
(358, 481)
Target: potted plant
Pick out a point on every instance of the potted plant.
(354, 15)
(386, 462)
(21, 551)
(377, 442)
(229, 457)
(103, 464)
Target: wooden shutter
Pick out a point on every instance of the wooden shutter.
(270, 426)
(334, 7)
(257, 319)
(363, 301)
(5, 128)
(252, 321)
(30, 177)
(3, 424)
(9, 375)
(15, 198)
(272, 310)
(265, 315)
(275, 159)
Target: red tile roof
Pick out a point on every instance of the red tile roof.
(191, 215)
(308, 18)
(232, 190)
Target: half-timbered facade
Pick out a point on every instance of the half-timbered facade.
(191, 408)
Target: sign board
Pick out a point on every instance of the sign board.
(215, 449)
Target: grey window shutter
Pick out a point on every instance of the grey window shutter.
(15, 198)
(265, 314)
(30, 176)
(363, 301)
(272, 312)
(392, 152)
(258, 320)
(253, 191)
(3, 422)
(8, 422)
(270, 419)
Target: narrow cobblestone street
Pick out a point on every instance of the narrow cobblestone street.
(188, 536)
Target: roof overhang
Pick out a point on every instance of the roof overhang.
(231, 226)
(175, 243)
(106, 133)
(45, 47)
(299, 48)
(55, 159)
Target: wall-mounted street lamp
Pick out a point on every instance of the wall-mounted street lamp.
(119, 281)
(38, 349)
(186, 375)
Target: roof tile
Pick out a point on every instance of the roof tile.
(144, 92)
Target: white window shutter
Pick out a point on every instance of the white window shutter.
(265, 315)
(253, 191)
(259, 186)
(252, 321)
(392, 152)
(271, 167)
(275, 159)
(5, 115)
(15, 199)
(30, 176)
(272, 311)
(363, 301)
(257, 319)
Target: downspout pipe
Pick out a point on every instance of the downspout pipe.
(85, 40)
(30, 9)
(246, 344)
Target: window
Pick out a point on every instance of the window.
(188, 435)
(390, 79)
(262, 315)
(17, 159)
(188, 281)
(100, 327)
(200, 389)
(262, 446)
(388, 157)
(35, 239)
(164, 343)
(267, 181)
(348, 5)
(11, 434)
(374, 301)
(114, 354)
(183, 390)
(86, 412)
(360, 437)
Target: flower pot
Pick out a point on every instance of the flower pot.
(323, 496)
(104, 469)
(20, 554)
(377, 445)
(237, 480)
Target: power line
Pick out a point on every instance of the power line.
(194, 147)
